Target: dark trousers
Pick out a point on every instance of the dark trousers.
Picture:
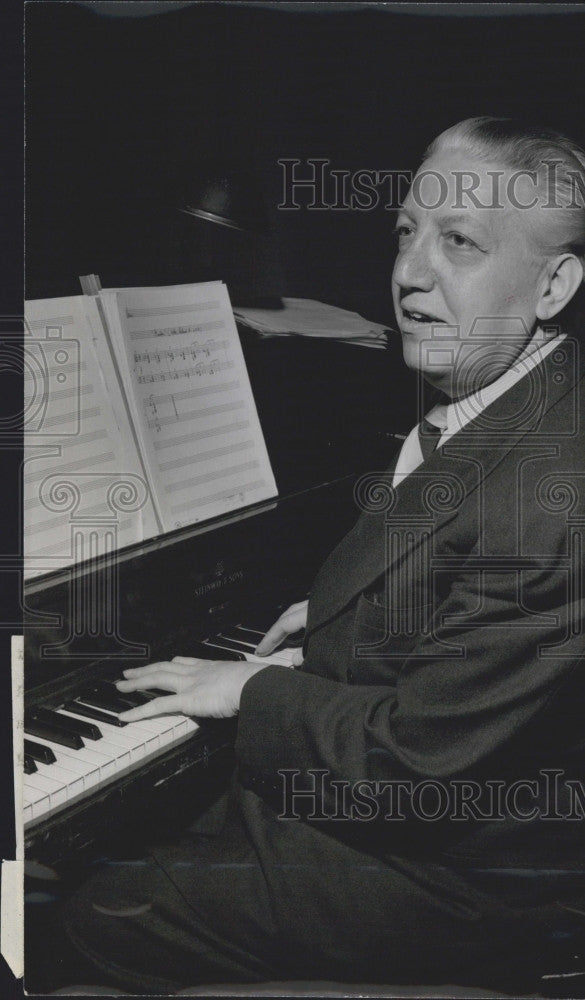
(209, 908)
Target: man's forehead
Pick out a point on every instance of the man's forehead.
(446, 214)
(481, 223)
(455, 187)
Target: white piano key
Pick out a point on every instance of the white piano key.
(37, 807)
(282, 657)
(28, 798)
(34, 796)
(133, 743)
(94, 757)
(147, 736)
(53, 788)
(244, 639)
(70, 780)
(287, 654)
(166, 727)
(77, 761)
(252, 632)
(119, 751)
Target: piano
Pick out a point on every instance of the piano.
(211, 590)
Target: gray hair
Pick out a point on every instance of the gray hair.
(535, 149)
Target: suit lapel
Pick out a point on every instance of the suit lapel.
(437, 490)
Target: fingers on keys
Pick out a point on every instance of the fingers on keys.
(291, 620)
(168, 680)
(272, 639)
(158, 706)
(180, 665)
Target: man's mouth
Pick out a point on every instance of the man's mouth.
(416, 316)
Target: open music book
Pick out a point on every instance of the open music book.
(139, 418)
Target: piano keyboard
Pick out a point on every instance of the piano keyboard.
(76, 748)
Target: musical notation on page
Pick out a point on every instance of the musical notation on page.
(193, 361)
(192, 402)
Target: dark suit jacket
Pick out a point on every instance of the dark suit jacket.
(478, 671)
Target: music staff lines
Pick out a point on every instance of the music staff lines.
(201, 368)
(226, 494)
(207, 411)
(76, 440)
(210, 477)
(54, 367)
(57, 395)
(185, 307)
(87, 487)
(87, 438)
(206, 390)
(207, 456)
(181, 353)
(55, 551)
(44, 324)
(79, 465)
(238, 425)
(65, 418)
(179, 330)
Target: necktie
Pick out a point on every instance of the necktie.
(428, 437)
(420, 443)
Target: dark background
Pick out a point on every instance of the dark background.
(124, 113)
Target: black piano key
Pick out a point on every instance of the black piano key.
(156, 693)
(57, 718)
(246, 645)
(93, 713)
(212, 650)
(55, 734)
(261, 623)
(29, 765)
(39, 752)
(133, 698)
(294, 639)
(245, 633)
(98, 697)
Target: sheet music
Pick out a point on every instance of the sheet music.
(191, 400)
(76, 433)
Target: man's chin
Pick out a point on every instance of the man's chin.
(416, 358)
(438, 377)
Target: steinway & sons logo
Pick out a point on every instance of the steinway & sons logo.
(217, 579)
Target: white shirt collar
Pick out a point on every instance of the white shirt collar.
(454, 416)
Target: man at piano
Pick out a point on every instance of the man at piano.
(407, 805)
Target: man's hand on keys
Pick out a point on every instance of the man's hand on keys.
(207, 687)
(292, 620)
(196, 687)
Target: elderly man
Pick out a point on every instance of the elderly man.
(407, 804)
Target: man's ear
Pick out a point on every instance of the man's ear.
(564, 275)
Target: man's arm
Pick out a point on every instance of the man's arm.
(445, 717)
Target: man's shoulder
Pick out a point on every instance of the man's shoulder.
(547, 404)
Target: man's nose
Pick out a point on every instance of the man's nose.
(413, 268)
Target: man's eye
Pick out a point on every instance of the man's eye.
(458, 240)
(403, 231)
